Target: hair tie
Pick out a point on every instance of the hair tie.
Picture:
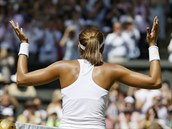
(83, 47)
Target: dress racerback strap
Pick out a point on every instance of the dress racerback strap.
(85, 66)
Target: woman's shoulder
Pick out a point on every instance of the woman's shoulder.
(64, 67)
(66, 63)
(113, 68)
(111, 65)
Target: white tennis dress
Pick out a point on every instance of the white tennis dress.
(84, 102)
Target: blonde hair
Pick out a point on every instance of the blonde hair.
(91, 38)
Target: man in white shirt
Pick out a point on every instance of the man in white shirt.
(115, 46)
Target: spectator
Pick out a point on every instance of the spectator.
(53, 120)
(6, 64)
(125, 121)
(6, 52)
(39, 111)
(140, 96)
(28, 115)
(69, 43)
(144, 98)
(129, 103)
(35, 35)
(131, 37)
(160, 108)
(115, 45)
(129, 118)
(141, 22)
(112, 110)
(55, 105)
(156, 8)
(8, 106)
(151, 116)
(48, 50)
(155, 125)
(76, 20)
(169, 118)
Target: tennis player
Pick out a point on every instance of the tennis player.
(85, 82)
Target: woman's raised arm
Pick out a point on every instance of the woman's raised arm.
(37, 77)
(153, 80)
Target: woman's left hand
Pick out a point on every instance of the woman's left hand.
(19, 32)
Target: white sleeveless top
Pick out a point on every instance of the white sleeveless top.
(84, 102)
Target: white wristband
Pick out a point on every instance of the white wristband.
(153, 53)
(24, 49)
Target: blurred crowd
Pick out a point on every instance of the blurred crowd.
(52, 27)
(126, 109)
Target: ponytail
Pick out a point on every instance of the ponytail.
(92, 52)
(91, 41)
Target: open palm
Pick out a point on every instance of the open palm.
(19, 32)
(152, 34)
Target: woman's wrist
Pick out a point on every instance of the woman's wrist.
(24, 41)
(153, 53)
(24, 49)
(153, 43)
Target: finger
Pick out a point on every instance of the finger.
(14, 27)
(154, 18)
(12, 23)
(17, 25)
(155, 22)
(148, 31)
(21, 29)
(157, 25)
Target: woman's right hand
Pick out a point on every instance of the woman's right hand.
(19, 32)
(152, 34)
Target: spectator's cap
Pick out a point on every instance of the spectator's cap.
(129, 19)
(7, 124)
(129, 99)
(126, 19)
(7, 112)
